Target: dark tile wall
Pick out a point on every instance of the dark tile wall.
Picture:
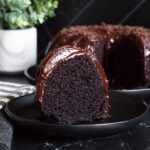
(110, 11)
(141, 16)
(67, 11)
(73, 12)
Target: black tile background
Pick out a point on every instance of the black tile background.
(141, 17)
(74, 12)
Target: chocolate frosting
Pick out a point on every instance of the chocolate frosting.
(85, 37)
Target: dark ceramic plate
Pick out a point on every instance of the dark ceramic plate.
(141, 94)
(126, 113)
(31, 73)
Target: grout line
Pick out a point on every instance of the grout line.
(128, 15)
(80, 13)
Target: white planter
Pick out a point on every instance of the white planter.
(18, 49)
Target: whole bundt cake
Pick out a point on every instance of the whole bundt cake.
(124, 51)
(72, 87)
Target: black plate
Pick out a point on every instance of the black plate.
(31, 73)
(126, 113)
(141, 94)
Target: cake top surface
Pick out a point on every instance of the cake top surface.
(85, 37)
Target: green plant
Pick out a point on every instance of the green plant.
(18, 14)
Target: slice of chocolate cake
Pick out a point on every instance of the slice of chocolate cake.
(72, 87)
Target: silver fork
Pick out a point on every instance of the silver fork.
(10, 90)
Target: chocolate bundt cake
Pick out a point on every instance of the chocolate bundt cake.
(72, 86)
(124, 51)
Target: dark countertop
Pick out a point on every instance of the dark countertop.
(135, 139)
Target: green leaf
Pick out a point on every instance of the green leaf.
(17, 20)
(24, 13)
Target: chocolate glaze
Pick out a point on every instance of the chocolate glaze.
(85, 37)
(60, 55)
